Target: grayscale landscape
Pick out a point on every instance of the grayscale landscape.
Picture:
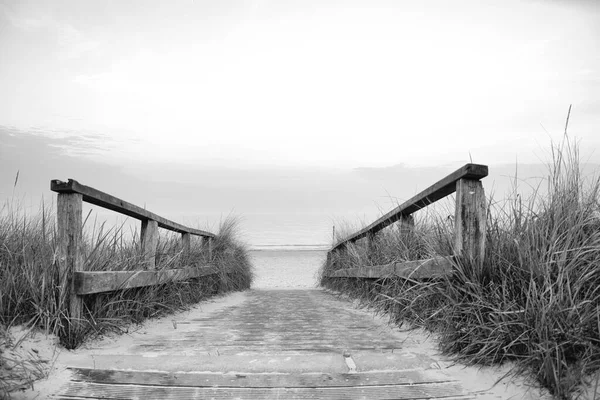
(300, 199)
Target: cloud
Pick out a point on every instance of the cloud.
(73, 143)
(72, 42)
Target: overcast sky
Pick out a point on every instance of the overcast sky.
(302, 82)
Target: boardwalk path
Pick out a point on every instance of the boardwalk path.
(262, 344)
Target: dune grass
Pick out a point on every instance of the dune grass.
(29, 281)
(536, 299)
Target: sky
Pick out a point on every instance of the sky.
(321, 83)
(252, 96)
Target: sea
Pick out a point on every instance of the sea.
(287, 250)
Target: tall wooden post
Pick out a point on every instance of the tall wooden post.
(469, 220)
(370, 244)
(149, 241)
(209, 241)
(185, 244)
(70, 257)
(406, 224)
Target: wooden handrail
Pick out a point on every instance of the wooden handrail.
(89, 282)
(406, 269)
(75, 281)
(98, 198)
(469, 228)
(435, 192)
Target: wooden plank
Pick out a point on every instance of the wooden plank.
(89, 282)
(429, 268)
(70, 256)
(433, 193)
(148, 392)
(469, 220)
(96, 197)
(261, 380)
(149, 241)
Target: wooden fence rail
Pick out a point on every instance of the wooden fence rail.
(76, 282)
(469, 227)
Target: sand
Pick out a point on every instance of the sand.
(286, 269)
(473, 378)
(274, 270)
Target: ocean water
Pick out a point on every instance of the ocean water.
(286, 249)
(282, 230)
(286, 269)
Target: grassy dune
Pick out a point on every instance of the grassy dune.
(535, 302)
(29, 276)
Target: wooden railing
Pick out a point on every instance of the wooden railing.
(469, 228)
(75, 281)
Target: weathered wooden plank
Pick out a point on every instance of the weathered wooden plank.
(260, 380)
(89, 282)
(147, 392)
(469, 220)
(433, 193)
(429, 268)
(70, 256)
(149, 241)
(96, 197)
(295, 346)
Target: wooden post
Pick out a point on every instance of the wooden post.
(210, 248)
(370, 244)
(406, 224)
(70, 257)
(469, 220)
(149, 241)
(185, 243)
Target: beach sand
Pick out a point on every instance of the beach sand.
(286, 269)
(274, 269)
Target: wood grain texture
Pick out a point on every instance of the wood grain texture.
(469, 220)
(265, 344)
(96, 197)
(406, 224)
(209, 247)
(371, 239)
(149, 241)
(433, 193)
(70, 256)
(429, 268)
(89, 282)
(406, 392)
(260, 380)
(185, 244)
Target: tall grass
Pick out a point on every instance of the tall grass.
(536, 299)
(30, 288)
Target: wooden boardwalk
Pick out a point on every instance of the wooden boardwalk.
(268, 344)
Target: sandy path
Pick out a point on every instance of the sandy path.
(257, 332)
(309, 331)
